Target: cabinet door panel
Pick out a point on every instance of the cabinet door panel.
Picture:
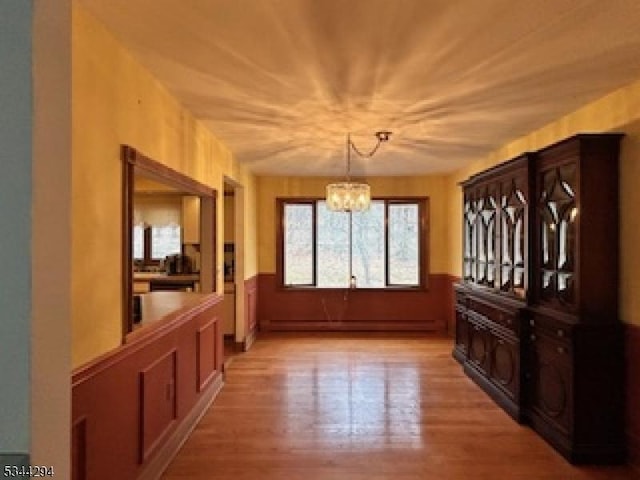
(479, 347)
(462, 333)
(505, 366)
(551, 393)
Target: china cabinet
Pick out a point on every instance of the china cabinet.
(536, 309)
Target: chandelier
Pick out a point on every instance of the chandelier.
(351, 196)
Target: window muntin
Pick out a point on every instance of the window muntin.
(382, 247)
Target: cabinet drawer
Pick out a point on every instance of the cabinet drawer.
(541, 325)
(505, 318)
(461, 299)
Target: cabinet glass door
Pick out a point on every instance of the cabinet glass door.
(513, 238)
(486, 207)
(558, 217)
(469, 247)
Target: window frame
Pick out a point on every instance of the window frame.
(147, 259)
(423, 243)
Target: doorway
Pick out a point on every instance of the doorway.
(230, 270)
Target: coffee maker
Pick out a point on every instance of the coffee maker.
(178, 264)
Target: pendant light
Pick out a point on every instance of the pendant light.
(348, 196)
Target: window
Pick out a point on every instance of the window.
(156, 227)
(153, 243)
(379, 248)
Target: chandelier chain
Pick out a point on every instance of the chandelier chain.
(382, 136)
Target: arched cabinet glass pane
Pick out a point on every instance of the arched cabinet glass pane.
(513, 241)
(558, 214)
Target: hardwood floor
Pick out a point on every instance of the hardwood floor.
(363, 407)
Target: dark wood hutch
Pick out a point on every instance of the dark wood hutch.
(537, 306)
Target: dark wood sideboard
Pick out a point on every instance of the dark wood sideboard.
(537, 307)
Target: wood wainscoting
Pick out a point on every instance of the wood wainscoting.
(283, 309)
(133, 407)
(450, 309)
(632, 422)
(250, 311)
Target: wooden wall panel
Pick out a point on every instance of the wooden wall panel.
(206, 348)
(108, 394)
(450, 310)
(632, 422)
(158, 403)
(251, 310)
(359, 309)
(79, 449)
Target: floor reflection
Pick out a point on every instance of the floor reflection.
(355, 402)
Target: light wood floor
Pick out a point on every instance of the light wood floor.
(363, 407)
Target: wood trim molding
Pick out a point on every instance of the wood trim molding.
(451, 305)
(127, 243)
(157, 169)
(140, 401)
(359, 309)
(133, 161)
(156, 388)
(165, 454)
(251, 311)
(276, 325)
(202, 375)
(79, 449)
(141, 339)
(424, 206)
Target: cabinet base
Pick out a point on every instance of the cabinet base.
(459, 355)
(603, 454)
(498, 396)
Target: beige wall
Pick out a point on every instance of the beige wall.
(434, 187)
(620, 112)
(116, 101)
(50, 362)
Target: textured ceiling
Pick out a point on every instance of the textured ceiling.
(281, 82)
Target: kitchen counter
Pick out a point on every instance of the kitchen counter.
(144, 282)
(148, 276)
(164, 309)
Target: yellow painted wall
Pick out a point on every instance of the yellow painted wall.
(619, 111)
(252, 228)
(229, 217)
(116, 101)
(434, 187)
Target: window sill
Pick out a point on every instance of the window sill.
(301, 288)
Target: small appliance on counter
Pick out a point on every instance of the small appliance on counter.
(178, 265)
(137, 309)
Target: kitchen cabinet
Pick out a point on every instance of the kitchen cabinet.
(144, 282)
(190, 219)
